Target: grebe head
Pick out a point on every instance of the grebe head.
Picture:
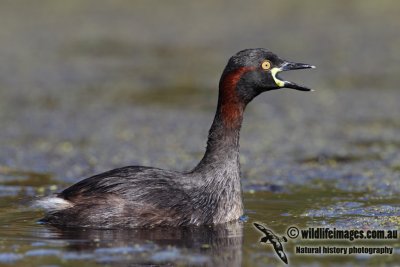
(254, 71)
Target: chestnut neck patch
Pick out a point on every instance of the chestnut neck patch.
(231, 106)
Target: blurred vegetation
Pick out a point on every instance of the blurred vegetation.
(61, 47)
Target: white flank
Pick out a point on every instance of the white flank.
(52, 203)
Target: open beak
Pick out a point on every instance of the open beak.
(290, 66)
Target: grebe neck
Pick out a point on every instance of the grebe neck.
(223, 139)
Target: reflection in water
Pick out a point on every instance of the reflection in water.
(26, 243)
(219, 245)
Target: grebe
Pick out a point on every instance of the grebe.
(211, 193)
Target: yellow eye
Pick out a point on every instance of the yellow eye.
(266, 65)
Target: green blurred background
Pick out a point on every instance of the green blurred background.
(49, 47)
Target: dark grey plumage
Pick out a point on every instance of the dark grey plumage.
(138, 196)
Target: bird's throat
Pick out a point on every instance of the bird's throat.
(223, 139)
(230, 107)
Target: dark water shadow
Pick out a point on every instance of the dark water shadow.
(219, 245)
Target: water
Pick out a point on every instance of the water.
(87, 86)
(26, 242)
